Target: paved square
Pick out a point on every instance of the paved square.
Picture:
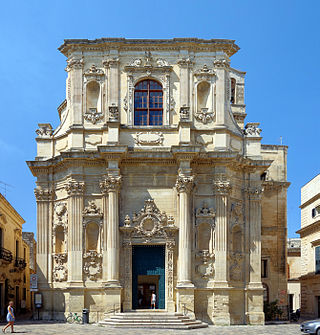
(50, 328)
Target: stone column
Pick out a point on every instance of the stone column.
(75, 191)
(221, 314)
(185, 287)
(104, 192)
(254, 311)
(111, 185)
(43, 197)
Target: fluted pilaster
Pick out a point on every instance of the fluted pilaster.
(75, 191)
(110, 188)
(43, 198)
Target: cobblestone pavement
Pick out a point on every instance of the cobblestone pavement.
(63, 329)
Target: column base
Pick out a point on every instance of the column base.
(75, 300)
(254, 314)
(185, 300)
(112, 300)
(255, 318)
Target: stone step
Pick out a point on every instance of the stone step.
(152, 319)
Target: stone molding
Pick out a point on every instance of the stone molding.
(43, 194)
(75, 188)
(184, 183)
(110, 184)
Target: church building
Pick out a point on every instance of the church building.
(154, 182)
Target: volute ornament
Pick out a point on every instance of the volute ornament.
(184, 183)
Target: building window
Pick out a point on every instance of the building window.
(264, 268)
(317, 257)
(315, 211)
(148, 103)
(17, 249)
(233, 91)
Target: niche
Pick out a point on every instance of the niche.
(92, 237)
(237, 239)
(93, 97)
(205, 237)
(59, 240)
(203, 96)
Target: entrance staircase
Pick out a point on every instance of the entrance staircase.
(152, 319)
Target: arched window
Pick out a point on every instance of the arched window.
(148, 103)
(233, 91)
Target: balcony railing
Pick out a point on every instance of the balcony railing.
(5, 255)
(20, 263)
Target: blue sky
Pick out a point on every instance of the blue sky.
(279, 43)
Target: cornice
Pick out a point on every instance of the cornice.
(227, 46)
(310, 229)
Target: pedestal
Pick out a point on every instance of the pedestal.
(185, 301)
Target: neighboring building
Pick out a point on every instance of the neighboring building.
(152, 181)
(310, 248)
(14, 259)
(29, 239)
(294, 272)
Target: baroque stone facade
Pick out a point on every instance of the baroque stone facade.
(153, 156)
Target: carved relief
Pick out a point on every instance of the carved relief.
(74, 64)
(60, 216)
(149, 223)
(60, 271)
(93, 71)
(149, 138)
(221, 186)
(92, 210)
(92, 115)
(252, 129)
(170, 250)
(204, 115)
(92, 265)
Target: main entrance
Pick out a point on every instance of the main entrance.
(148, 275)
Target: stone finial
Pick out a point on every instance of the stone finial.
(45, 130)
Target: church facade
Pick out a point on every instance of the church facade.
(153, 182)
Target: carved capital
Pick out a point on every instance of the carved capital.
(252, 129)
(111, 184)
(43, 194)
(254, 192)
(184, 183)
(75, 188)
(221, 187)
(113, 113)
(74, 64)
(185, 62)
(92, 115)
(45, 130)
(221, 63)
(111, 62)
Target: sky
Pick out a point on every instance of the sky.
(279, 43)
